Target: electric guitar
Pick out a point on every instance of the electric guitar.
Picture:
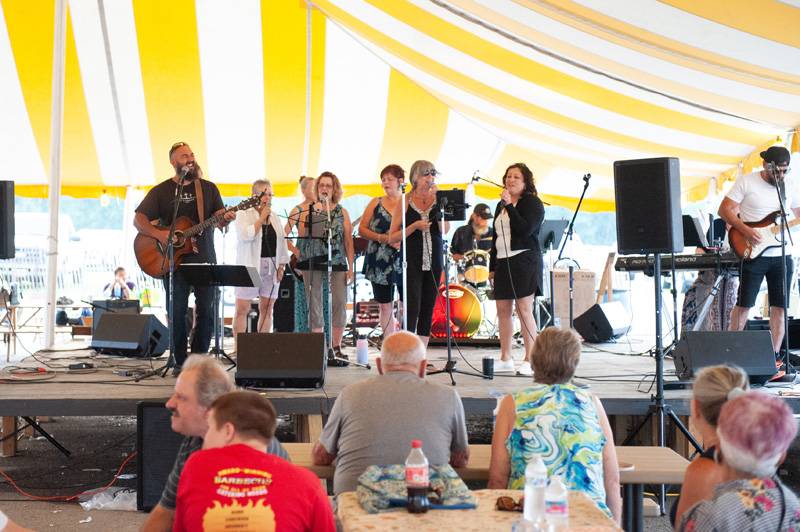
(151, 254)
(769, 231)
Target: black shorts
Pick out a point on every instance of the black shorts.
(384, 293)
(751, 275)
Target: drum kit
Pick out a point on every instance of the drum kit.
(469, 300)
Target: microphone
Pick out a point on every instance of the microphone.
(475, 177)
(587, 177)
(185, 169)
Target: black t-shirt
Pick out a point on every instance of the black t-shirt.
(158, 205)
(268, 241)
(464, 240)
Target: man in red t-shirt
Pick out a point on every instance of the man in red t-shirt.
(233, 483)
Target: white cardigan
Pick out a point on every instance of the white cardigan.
(248, 247)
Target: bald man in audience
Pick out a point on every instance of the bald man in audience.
(373, 421)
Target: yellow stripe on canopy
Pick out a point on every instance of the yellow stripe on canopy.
(416, 123)
(30, 30)
(770, 19)
(284, 47)
(170, 61)
(554, 80)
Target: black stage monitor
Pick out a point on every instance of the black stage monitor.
(280, 360)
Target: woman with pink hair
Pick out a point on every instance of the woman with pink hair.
(755, 431)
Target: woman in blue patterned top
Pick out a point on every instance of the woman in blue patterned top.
(381, 263)
(559, 421)
(755, 431)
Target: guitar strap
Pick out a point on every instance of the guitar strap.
(198, 194)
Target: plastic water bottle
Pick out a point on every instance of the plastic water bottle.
(417, 479)
(556, 505)
(535, 485)
(362, 350)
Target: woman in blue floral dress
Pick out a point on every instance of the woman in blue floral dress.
(382, 261)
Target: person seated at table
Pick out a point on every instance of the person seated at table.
(564, 424)
(202, 380)
(232, 483)
(755, 431)
(373, 421)
(120, 287)
(475, 235)
(712, 385)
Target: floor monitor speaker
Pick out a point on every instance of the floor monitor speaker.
(156, 448)
(280, 360)
(130, 335)
(603, 322)
(750, 350)
(648, 206)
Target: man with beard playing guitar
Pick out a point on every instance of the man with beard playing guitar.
(199, 198)
(754, 197)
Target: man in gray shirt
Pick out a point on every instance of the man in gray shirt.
(373, 421)
(202, 380)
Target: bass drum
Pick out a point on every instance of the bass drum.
(466, 313)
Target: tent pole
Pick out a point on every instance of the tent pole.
(54, 190)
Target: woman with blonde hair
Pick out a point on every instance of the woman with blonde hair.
(712, 387)
(754, 433)
(262, 246)
(423, 238)
(564, 424)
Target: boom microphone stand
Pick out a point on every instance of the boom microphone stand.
(403, 249)
(567, 238)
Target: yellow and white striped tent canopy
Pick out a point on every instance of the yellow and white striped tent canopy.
(280, 88)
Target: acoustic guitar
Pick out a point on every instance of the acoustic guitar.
(151, 254)
(769, 231)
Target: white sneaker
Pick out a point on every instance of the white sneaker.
(525, 369)
(504, 366)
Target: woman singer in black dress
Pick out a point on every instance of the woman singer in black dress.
(424, 227)
(516, 262)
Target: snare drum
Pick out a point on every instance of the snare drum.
(476, 266)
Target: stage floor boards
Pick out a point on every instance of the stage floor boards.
(618, 373)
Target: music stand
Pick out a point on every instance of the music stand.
(220, 275)
(693, 234)
(550, 235)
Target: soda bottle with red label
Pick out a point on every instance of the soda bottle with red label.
(417, 479)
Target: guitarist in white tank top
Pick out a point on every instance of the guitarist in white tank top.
(752, 199)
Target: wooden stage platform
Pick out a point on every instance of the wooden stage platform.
(622, 381)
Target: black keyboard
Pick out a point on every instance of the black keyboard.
(706, 261)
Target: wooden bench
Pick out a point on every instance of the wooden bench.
(651, 465)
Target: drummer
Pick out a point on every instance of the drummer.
(475, 235)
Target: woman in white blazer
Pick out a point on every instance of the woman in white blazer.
(262, 246)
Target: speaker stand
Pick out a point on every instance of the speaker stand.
(31, 422)
(659, 408)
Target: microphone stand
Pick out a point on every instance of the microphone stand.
(568, 237)
(791, 374)
(171, 362)
(403, 248)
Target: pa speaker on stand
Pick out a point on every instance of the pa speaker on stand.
(6, 219)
